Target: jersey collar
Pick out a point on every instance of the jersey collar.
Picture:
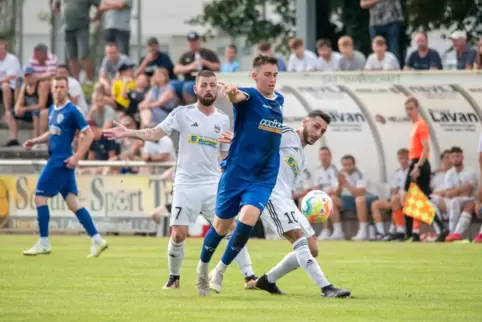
(61, 107)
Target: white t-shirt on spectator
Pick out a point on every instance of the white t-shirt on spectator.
(398, 179)
(355, 179)
(164, 145)
(454, 179)
(308, 63)
(332, 65)
(75, 89)
(326, 179)
(388, 62)
(437, 183)
(10, 66)
(50, 66)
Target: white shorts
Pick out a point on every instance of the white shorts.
(282, 216)
(188, 202)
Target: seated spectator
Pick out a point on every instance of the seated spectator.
(190, 63)
(265, 49)
(31, 105)
(352, 195)
(43, 62)
(161, 151)
(301, 59)
(465, 54)
(230, 64)
(136, 96)
(424, 58)
(351, 59)
(76, 93)
(381, 59)
(110, 65)
(123, 85)
(478, 58)
(326, 179)
(160, 100)
(328, 60)
(155, 59)
(395, 203)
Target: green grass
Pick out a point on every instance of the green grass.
(389, 281)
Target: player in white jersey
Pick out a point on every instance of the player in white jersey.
(284, 217)
(197, 171)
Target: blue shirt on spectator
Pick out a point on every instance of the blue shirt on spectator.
(281, 63)
(230, 67)
(466, 58)
(430, 60)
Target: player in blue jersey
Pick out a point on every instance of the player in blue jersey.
(249, 171)
(58, 175)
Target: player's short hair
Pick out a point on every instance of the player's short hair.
(402, 151)
(296, 43)
(320, 43)
(456, 149)
(205, 73)
(348, 157)
(264, 46)
(413, 100)
(325, 148)
(345, 41)
(379, 40)
(261, 60)
(319, 113)
(111, 44)
(61, 78)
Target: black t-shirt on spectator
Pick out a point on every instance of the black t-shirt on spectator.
(162, 61)
(188, 57)
(431, 60)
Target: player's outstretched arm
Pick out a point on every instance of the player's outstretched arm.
(232, 93)
(38, 140)
(119, 131)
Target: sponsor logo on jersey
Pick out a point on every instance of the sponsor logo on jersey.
(54, 130)
(201, 140)
(270, 126)
(217, 128)
(291, 162)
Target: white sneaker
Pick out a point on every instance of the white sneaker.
(216, 280)
(338, 236)
(325, 234)
(98, 248)
(360, 237)
(202, 279)
(38, 249)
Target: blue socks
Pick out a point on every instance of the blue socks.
(210, 243)
(43, 218)
(238, 240)
(86, 221)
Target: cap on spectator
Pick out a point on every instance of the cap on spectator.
(458, 34)
(125, 66)
(152, 41)
(41, 47)
(28, 70)
(193, 36)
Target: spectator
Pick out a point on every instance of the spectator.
(155, 59)
(351, 59)
(326, 179)
(395, 203)
(136, 96)
(75, 90)
(386, 20)
(424, 58)
(10, 72)
(478, 58)
(110, 65)
(465, 54)
(43, 62)
(231, 64)
(123, 85)
(437, 183)
(191, 62)
(381, 59)
(117, 23)
(161, 151)
(264, 48)
(76, 23)
(353, 196)
(160, 100)
(301, 59)
(328, 60)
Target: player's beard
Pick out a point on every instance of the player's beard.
(306, 136)
(207, 100)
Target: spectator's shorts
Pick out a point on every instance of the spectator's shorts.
(348, 202)
(12, 92)
(188, 202)
(120, 37)
(27, 116)
(282, 215)
(423, 180)
(453, 205)
(77, 43)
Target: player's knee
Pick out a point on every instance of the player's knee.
(6, 88)
(249, 215)
(469, 207)
(40, 201)
(360, 201)
(179, 233)
(221, 226)
(293, 235)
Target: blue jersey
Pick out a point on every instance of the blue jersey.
(64, 122)
(254, 152)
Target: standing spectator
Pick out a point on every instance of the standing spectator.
(75, 90)
(193, 61)
(386, 20)
(230, 64)
(265, 49)
(424, 58)
(328, 60)
(465, 54)
(301, 59)
(351, 59)
(381, 59)
(75, 17)
(136, 96)
(160, 151)
(10, 72)
(43, 62)
(155, 59)
(110, 65)
(117, 23)
(123, 85)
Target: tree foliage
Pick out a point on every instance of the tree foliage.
(8, 21)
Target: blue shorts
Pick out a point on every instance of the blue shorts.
(54, 180)
(348, 202)
(27, 116)
(232, 196)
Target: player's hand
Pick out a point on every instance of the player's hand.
(119, 131)
(72, 162)
(341, 179)
(415, 173)
(226, 137)
(29, 144)
(229, 90)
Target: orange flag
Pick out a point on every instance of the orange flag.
(418, 206)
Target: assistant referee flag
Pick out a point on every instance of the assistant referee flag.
(418, 206)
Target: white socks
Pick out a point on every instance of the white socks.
(97, 239)
(380, 228)
(243, 260)
(175, 256)
(44, 241)
(337, 229)
(464, 223)
(287, 264)
(309, 263)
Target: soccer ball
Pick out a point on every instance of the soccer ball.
(317, 206)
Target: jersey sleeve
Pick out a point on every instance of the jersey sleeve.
(249, 92)
(469, 177)
(225, 126)
(79, 121)
(361, 183)
(172, 123)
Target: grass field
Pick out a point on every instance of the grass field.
(389, 281)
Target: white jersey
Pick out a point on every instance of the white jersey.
(453, 178)
(355, 179)
(437, 183)
(326, 179)
(398, 179)
(198, 154)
